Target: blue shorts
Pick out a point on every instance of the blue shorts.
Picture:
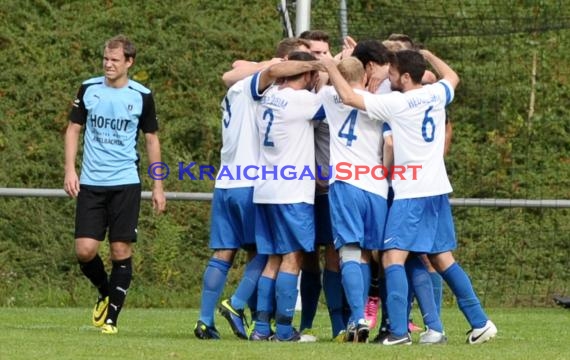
(232, 224)
(284, 228)
(323, 226)
(358, 216)
(423, 225)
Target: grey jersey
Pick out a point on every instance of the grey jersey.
(322, 156)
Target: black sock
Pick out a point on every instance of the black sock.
(119, 282)
(94, 270)
(374, 289)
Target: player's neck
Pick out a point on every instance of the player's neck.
(117, 83)
(412, 87)
(357, 85)
(295, 85)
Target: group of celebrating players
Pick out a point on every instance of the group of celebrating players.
(375, 104)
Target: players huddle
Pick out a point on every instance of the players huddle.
(378, 108)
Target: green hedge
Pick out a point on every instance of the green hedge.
(47, 48)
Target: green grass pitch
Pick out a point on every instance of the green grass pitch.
(66, 333)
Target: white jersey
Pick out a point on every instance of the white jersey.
(239, 138)
(286, 143)
(356, 140)
(385, 87)
(417, 120)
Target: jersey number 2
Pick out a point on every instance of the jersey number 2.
(268, 114)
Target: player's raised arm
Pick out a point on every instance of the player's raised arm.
(345, 91)
(242, 69)
(286, 69)
(441, 68)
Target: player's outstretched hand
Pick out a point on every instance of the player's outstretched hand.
(347, 48)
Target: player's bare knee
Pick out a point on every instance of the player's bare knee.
(225, 254)
(291, 262)
(86, 249)
(85, 255)
(442, 261)
(121, 250)
(272, 266)
(394, 257)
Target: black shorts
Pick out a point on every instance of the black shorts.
(108, 207)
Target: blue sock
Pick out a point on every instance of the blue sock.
(383, 301)
(252, 304)
(265, 300)
(332, 287)
(286, 295)
(365, 269)
(248, 283)
(411, 292)
(353, 288)
(397, 299)
(213, 283)
(437, 283)
(423, 289)
(468, 302)
(310, 292)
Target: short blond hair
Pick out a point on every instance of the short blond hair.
(351, 69)
(394, 45)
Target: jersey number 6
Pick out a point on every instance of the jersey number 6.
(428, 121)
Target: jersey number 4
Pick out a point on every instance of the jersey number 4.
(351, 123)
